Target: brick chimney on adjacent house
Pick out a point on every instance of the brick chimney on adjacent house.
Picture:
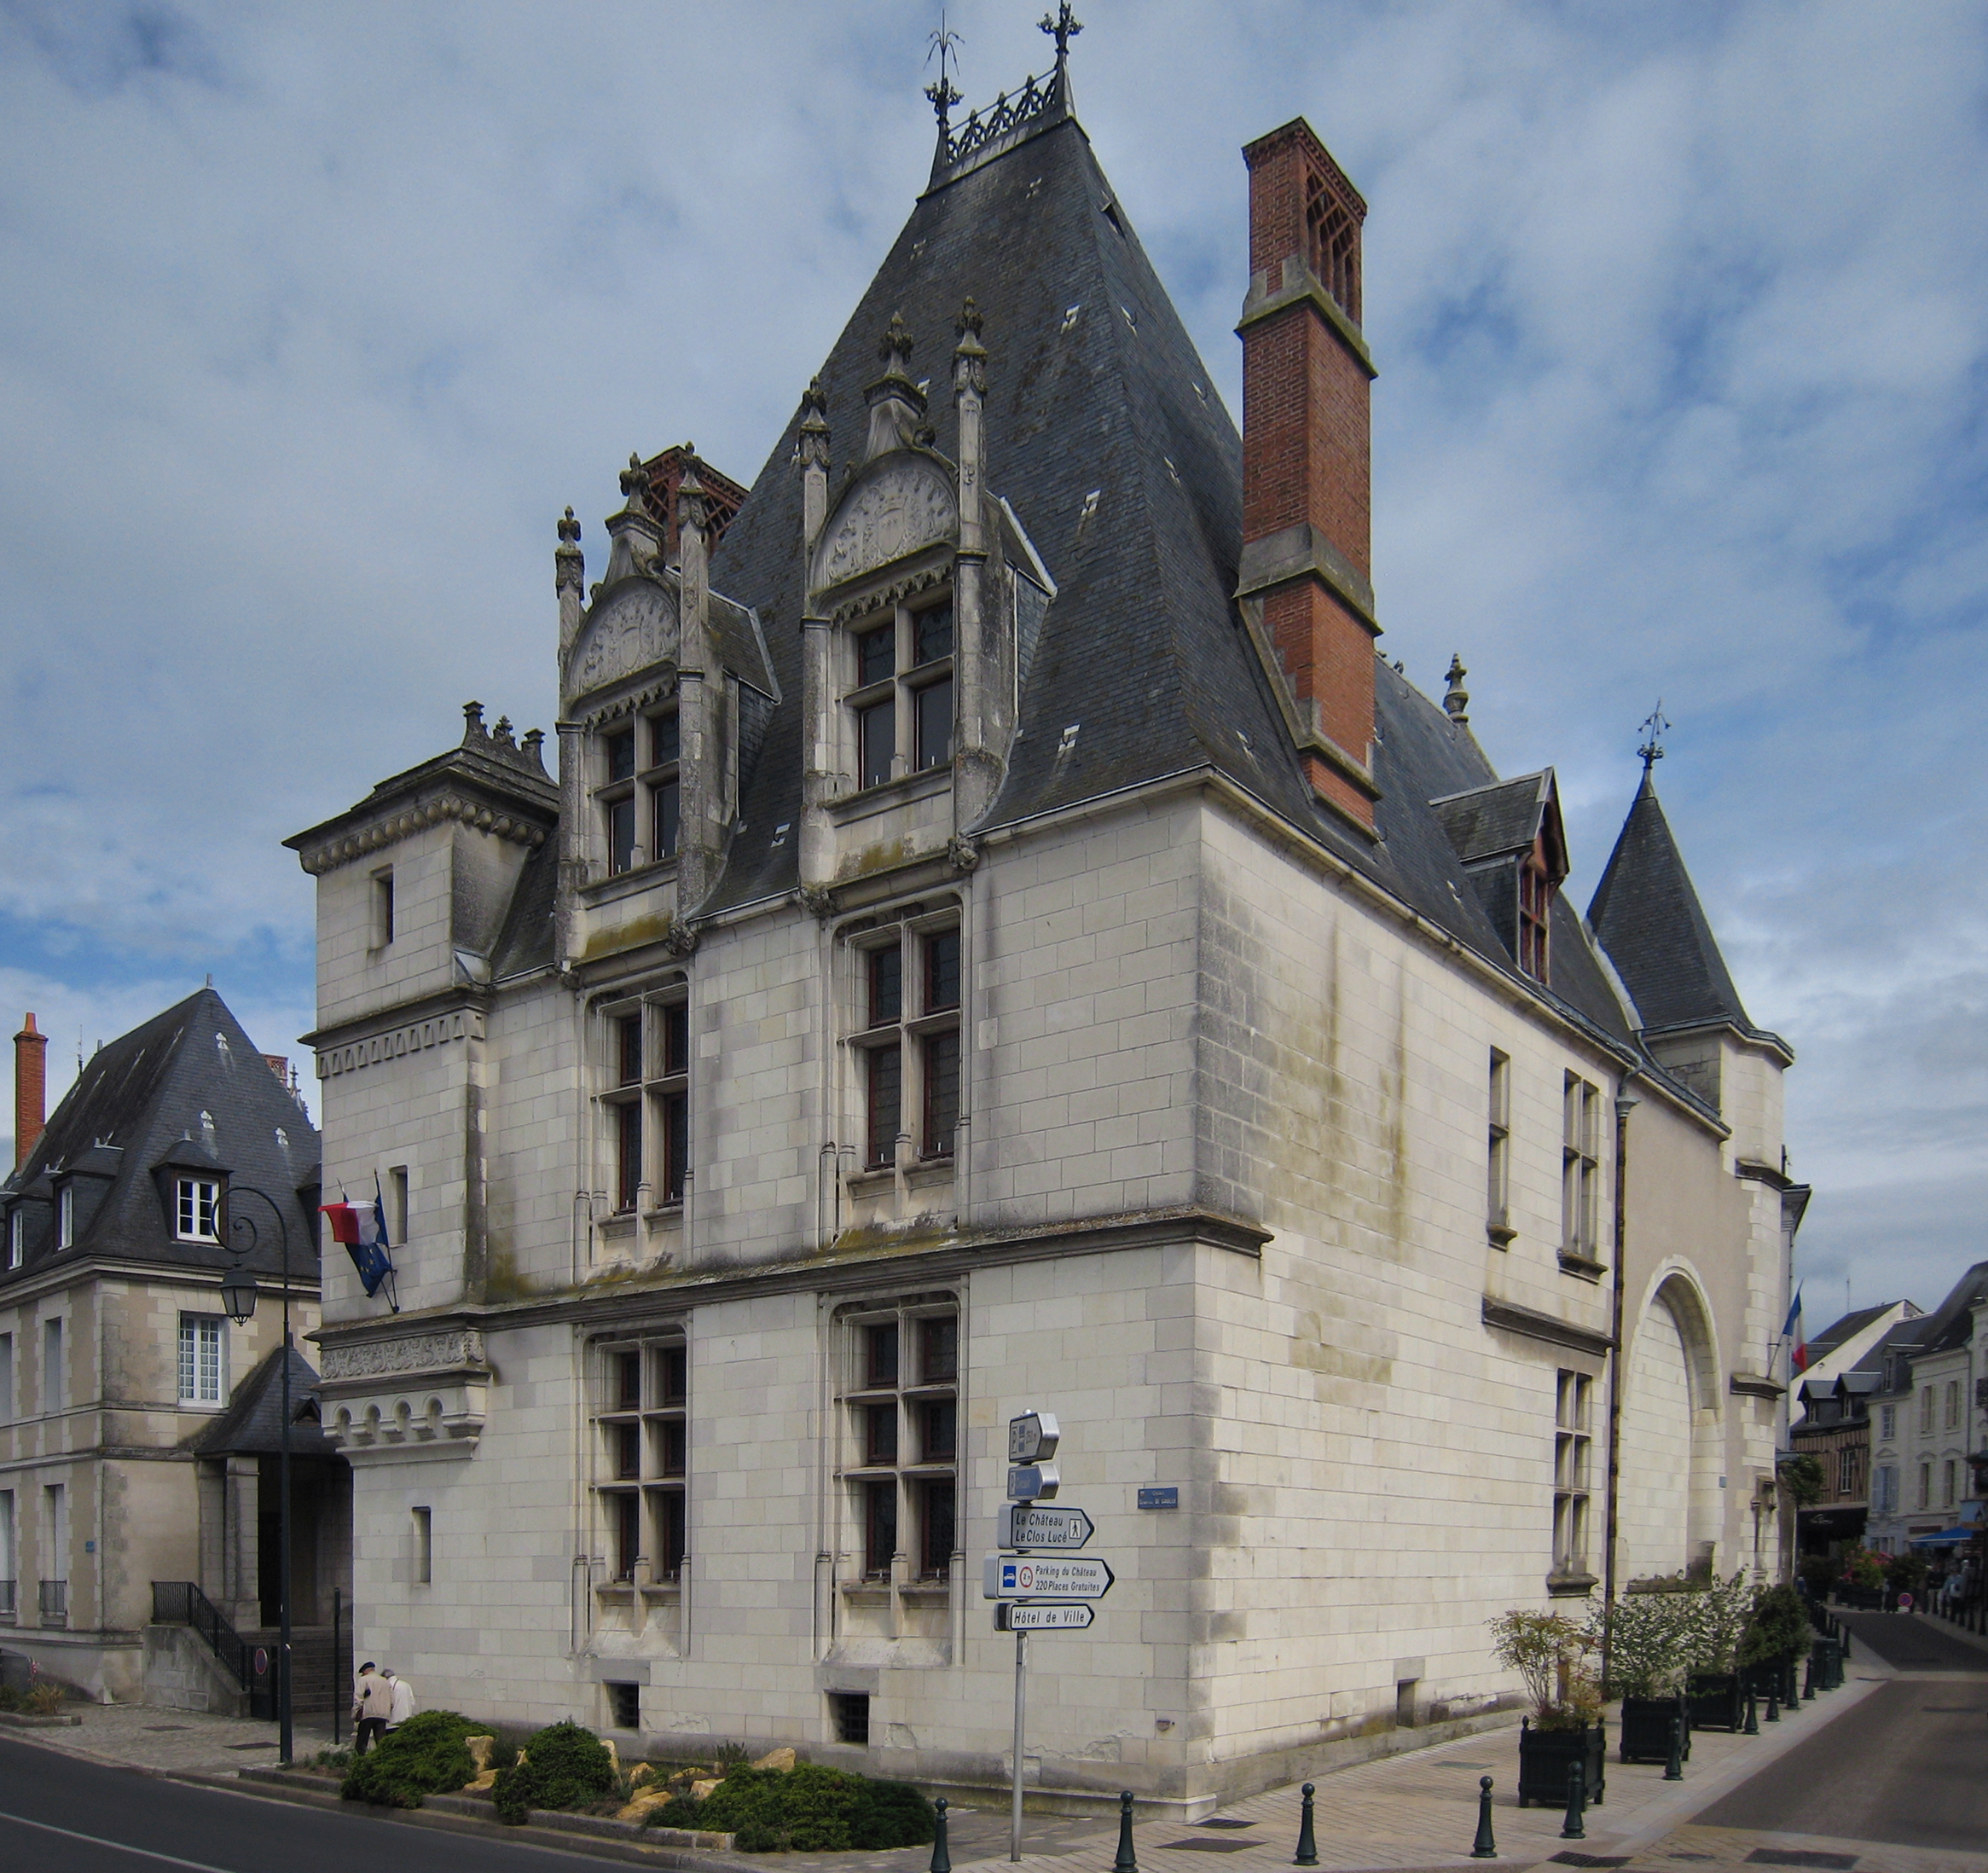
(1307, 455)
(31, 1089)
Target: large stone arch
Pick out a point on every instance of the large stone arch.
(1671, 1434)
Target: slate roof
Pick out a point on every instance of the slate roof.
(1647, 916)
(1493, 821)
(138, 1102)
(252, 1424)
(1105, 432)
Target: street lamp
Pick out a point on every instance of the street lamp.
(238, 1297)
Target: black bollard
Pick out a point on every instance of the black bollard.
(1674, 1768)
(1484, 1847)
(1127, 1861)
(942, 1855)
(1577, 1795)
(1308, 1840)
(1773, 1694)
(1808, 1680)
(1752, 1727)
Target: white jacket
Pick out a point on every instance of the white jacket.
(403, 1703)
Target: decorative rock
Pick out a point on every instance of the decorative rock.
(640, 1806)
(479, 1749)
(640, 1773)
(702, 1791)
(776, 1759)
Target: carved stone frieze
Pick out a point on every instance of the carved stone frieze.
(399, 826)
(635, 628)
(904, 506)
(416, 1037)
(448, 1351)
(894, 593)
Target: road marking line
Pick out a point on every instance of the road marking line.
(97, 1840)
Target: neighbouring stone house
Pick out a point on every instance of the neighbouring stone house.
(997, 934)
(132, 1449)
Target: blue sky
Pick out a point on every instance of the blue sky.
(312, 319)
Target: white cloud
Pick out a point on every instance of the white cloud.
(312, 320)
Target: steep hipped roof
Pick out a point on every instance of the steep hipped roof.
(1646, 915)
(187, 1085)
(252, 1424)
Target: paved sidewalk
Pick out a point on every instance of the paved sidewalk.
(1743, 1846)
(171, 1741)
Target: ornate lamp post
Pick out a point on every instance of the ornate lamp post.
(238, 1295)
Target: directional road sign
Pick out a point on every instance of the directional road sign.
(1045, 1577)
(1032, 1483)
(1035, 1529)
(1012, 1618)
(1032, 1437)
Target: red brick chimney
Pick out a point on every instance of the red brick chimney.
(31, 1089)
(1307, 455)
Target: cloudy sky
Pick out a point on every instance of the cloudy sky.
(312, 319)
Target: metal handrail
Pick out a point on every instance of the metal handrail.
(181, 1603)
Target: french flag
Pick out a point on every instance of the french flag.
(361, 1228)
(1798, 1355)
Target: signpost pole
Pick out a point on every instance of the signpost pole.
(1021, 1701)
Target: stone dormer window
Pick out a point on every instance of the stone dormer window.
(900, 698)
(639, 798)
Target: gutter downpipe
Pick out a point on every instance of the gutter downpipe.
(1624, 1105)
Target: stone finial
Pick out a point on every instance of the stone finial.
(811, 450)
(472, 723)
(692, 509)
(894, 347)
(569, 563)
(569, 530)
(501, 733)
(634, 482)
(945, 48)
(1063, 27)
(969, 355)
(1456, 698)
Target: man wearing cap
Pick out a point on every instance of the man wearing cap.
(372, 1706)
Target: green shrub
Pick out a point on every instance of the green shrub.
(565, 1766)
(11, 1700)
(1779, 1628)
(427, 1755)
(807, 1809)
(1906, 1574)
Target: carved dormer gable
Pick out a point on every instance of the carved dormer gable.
(899, 506)
(631, 628)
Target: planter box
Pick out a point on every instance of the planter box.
(1544, 1756)
(1646, 1728)
(1716, 1700)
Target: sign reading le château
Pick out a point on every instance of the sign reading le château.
(1033, 1528)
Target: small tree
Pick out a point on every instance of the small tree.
(1864, 1567)
(1779, 1629)
(1802, 1477)
(1721, 1614)
(1549, 1651)
(1906, 1574)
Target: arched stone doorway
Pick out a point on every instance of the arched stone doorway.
(1669, 1499)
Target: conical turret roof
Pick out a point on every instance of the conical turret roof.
(1646, 915)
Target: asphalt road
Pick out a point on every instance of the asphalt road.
(1907, 1765)
(58, 1815)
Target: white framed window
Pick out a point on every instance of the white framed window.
(1888, 1421)
(901, 1393)
(898, 698)
(17, 1239)
(1946, 1484)
(1926, 1408)
(642, 1457)
(1884, 1489)
(197, 1210)
(1925, 1486)
(1953, 1403)
(6, 1379)
(1573, 1446)
(65, 1216)
(640, 796)
(645, 1100)
(203, 1358)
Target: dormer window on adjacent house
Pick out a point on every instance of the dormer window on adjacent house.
(1535, 916)
(197, 1210)
(639, 800)
(65, 1216)
(17, 1239)
(901, 698)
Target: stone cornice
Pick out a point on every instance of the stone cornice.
(1754, 1385)
(451, 804)
(1300, 286)
(940, 1258)
(399, 1039)
(1511, 1318)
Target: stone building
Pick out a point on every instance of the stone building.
(132, 1445)
(998, 934)
(1845, 1368)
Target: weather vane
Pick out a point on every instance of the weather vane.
(1655, 726)
(945, 47)
(1064, 28)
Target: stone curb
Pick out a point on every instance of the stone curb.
(21, 1719)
